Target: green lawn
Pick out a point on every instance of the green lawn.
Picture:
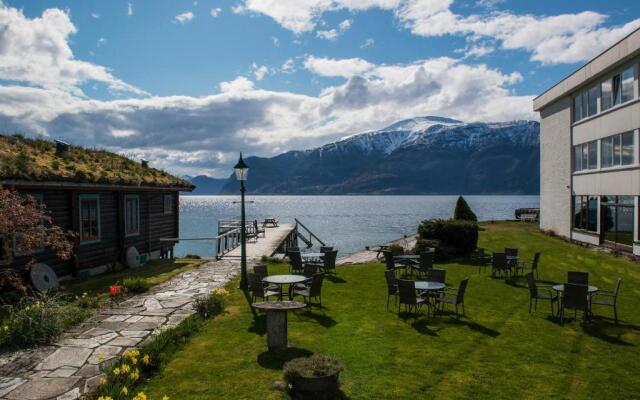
(499, 351)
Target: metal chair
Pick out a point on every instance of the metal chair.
(578, 277)
(426, 262)
(532, 265)
(540, 292)
(608, 298)
(310, 270)
(482, 259)
(392, 286)
(408, 297)
(313, 290)
(260, 270)
(437, 275)
(499, 264)
(574, 298)
(329, 261)
(324, 249)
(455, 300)
(258, 290)
(295, 262)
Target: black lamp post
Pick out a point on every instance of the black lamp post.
(242, 170)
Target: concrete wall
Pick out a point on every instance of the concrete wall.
(555, 167)
(623, 119)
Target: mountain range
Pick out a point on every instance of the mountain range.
(205, 185)
(423, 155)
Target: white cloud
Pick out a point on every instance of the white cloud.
(288, 67)
(331, 34)
(215, 12)
(259, 71)
(101, 42)
(184, 17)
(346, 24)
(95, 15)
(331, 67)
(129, 9)
(239, 84)
(276, 41)
(477, 50)
(368, 43)
(36, 52)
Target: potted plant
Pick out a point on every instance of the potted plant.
(314, 377)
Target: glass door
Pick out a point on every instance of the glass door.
(618, 220)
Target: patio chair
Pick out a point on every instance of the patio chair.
(329, 262)
(437, 275)
(540, 292)
(480, 258)
(531, 265)
(258, 289)
(608, 298)
(324, 249)
(511, 252)
(260, 270)
(578, 277)
(574, 298)
(295, 262)
(392, 286)
(310, 270)
(499, 264)
(312, 290)
(408, 297)
(456, 299)
(426, 263)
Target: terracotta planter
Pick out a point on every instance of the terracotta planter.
(316, 388)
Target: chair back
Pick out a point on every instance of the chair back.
(437, 275)
(575, 296)
(461, 290)
(330, 259)
(531, 283)
(310, 270)
(511, 252)
(316, 285)
(392, 282)
(260, 270)
(407, 291)
(324, 249)
(426, 260)
(388, 257)
(578, 277)
(295, 259)
(499, 261)
(255, 285)
(617, 289)
(536, 260)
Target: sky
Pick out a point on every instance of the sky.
(189, 84)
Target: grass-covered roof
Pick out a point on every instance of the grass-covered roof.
(36, 160)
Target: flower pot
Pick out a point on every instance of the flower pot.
(316, 388)
(115, 290)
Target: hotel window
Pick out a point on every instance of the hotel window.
(168, 204)
(585, 103)
(585, 156)
(617, 150)
(585, 213)
(89, 218)
(618, 219)
(611, 92)
(627, 84)
(131, 215)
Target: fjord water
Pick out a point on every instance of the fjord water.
(347, 222)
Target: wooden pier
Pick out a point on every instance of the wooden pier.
(267, 245)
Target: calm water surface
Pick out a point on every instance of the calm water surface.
(346, 222)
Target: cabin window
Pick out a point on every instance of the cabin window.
(132, 215)
(89, 218)
(168, 204)
(617, 150)
(585, 213)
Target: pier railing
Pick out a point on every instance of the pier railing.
(227, 242)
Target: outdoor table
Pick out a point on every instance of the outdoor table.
(560, 288)
(429, 286)
(277, 321)
(273, 222)
(282, 280)
(312, 256)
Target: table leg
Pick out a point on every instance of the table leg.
(276, 330)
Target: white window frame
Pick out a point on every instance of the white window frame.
(96, 197)
(168, 211)
(128, 233)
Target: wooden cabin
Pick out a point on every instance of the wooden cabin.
(117, 207)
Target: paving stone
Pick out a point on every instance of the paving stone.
(176, 319)
(121, 311)
(42, 388)
(62, 372)
(40, 374)
(158, 312)
(105, 352)
(93, 383)
(7, 384)
(65, 356)
(88, 371)
(113, 326)
(135, 334)
(143, 326)
(156, 319)
(134, 318)
(124, 341)
(116, 318)
(72, 394)
(152, 304)
(93, 332)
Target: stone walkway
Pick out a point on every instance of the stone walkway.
(72, 367)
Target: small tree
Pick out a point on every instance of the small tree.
(26, 226)
(463, 211)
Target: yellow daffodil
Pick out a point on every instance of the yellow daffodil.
(116, 371)
(140, 396)
(5, 328)
(146, 359)
(134, 375)
(165, 397)
(134, 360)
(125, 368)
(124, 390)
(101, 357)
(105, 398)
(103, 381)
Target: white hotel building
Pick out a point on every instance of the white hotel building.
(589, 150)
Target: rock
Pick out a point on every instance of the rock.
(42, 388)
(88, 371)
(8, 384)
(72, 394)
(280, 385)
(65, 356)
(103, 353)
(93, 383)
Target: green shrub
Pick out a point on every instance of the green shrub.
(38, 320)
(55, 164)
(396, 249)
(86, 301)
(271, 260)
(309, 367)
(207, 306)
(136, 284)
(463, 211)
(453, 237)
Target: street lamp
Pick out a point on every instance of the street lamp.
(242, 170)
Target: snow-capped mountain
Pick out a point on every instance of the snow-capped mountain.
(423, 155)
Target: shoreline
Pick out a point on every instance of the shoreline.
(365, 256)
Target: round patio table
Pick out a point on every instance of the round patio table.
(428, 285)
(560, 288)
(282, 280)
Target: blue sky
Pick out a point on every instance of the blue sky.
(189, 84)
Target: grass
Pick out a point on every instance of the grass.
(155, 272)
(498, 351)
(36, 159)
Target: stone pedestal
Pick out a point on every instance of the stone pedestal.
(277, 321)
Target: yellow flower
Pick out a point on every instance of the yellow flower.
(134, 360)
(103, 381)
(135, 375)
(124, 390)
(101, 357)
(125, 368)
(105, 398)
(116, 371)
(5, 328)
(146, 360)
(140, 396)
(165, 397)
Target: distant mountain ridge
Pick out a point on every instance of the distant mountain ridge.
(422, 155)
(205, 185)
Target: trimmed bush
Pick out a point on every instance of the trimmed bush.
(314, 366)
(451, 237)
(136, 284)
(396, 249)
(463, 211)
